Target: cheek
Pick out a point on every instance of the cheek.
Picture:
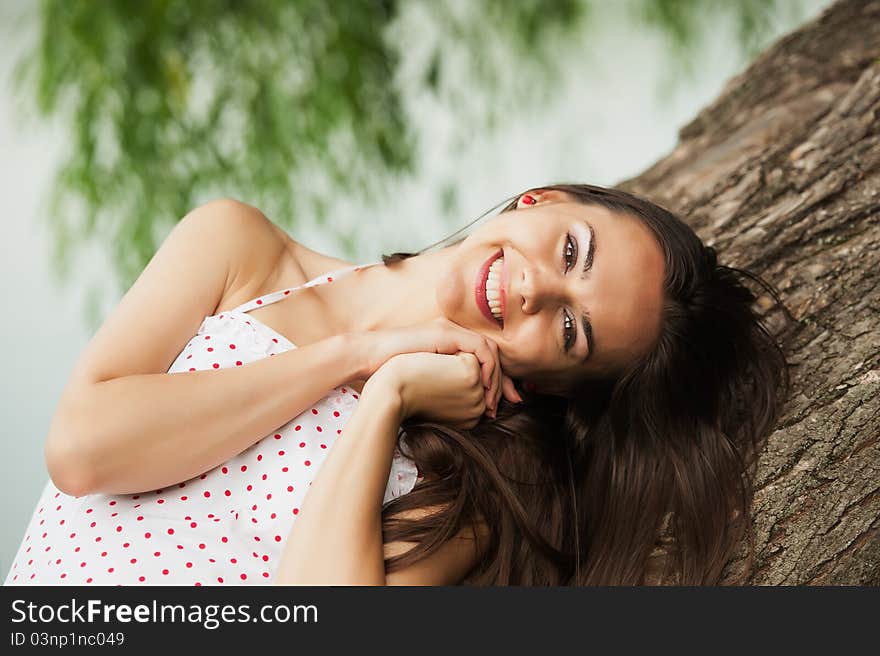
(527, 353)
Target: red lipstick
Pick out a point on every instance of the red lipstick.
(480, 290)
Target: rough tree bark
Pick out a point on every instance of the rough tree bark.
(781, 174)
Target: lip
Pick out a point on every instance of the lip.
(503, 290)
(480, 289)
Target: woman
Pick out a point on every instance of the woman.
(647, 385)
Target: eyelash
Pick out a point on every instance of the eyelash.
(567, 320)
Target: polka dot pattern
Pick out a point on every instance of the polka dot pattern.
(227, 526)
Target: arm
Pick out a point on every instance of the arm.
(337, 537)
(147, 431)
(123, 424)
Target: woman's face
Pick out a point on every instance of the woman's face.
(549, 307)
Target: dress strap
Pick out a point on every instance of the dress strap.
(272, 297)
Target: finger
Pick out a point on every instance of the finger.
(503, 381)
(488, 410)
(482, 348)
(483, 357)
(487, 360)
(497, 388)
(474, 380)
(478, 397)
(496, 374)
(509, 389)
(469, 341)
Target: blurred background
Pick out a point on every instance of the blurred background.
(361, 127)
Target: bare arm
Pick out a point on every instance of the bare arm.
(123, 424)
(148, 431)
(337, 537)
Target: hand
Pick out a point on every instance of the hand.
(438, 336)
(442, 388)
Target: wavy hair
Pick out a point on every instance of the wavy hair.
(642, 477)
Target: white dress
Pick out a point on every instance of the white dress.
(227, 526)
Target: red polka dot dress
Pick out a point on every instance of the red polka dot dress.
(227, 526)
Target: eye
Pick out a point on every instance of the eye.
(569, 333)
(570, 252)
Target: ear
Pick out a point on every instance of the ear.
(542, 196)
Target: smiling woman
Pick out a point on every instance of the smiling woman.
(650, 385)
(339, 434)
(577, 288)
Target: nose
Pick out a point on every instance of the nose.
(539, 288)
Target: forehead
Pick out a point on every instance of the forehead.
(624, 291)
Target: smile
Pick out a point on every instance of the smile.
(491, 303)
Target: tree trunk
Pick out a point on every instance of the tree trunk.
(781, 174)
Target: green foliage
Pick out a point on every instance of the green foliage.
(172, 102)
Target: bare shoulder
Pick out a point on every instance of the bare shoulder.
(268, 257)
(272, 258)
(188, 276)
(259, 241)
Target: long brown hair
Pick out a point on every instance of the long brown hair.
(583, 490)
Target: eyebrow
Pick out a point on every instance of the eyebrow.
(585, 317)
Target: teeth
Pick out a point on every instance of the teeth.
(493, 287)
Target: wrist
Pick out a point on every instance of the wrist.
(385, 389)
(350, 356)
(357, 346)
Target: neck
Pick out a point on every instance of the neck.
(383, 297)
